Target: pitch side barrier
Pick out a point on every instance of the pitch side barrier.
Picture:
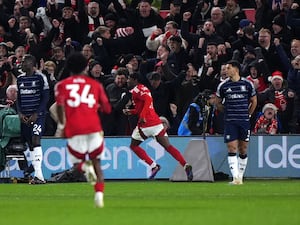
(269, 157)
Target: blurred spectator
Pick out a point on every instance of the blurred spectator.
(88, 52)
(178, 57)
(144, 20)
(175, 13)
(201, 14)
(293, 15)
(222, 26)
(256, 76)
(116, 122)
(95, 71)
(158, 38)
(263, 15)
(269, 52)
(267, 122)
(59, 59)
(187, 89)
(208, 73)
(294, 84)
(282, 97)
(233, 13)
(206, 35)
(281, 31)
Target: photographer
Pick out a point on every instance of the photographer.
(201, 115)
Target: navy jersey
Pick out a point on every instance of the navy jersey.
(33, 93)
(236, 97)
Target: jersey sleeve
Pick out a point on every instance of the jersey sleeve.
(59, 96)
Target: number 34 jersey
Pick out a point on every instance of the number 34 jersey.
(81, 97)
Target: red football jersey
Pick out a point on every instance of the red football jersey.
(81, 97)
(143, 106)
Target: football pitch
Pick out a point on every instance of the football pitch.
(265, 202)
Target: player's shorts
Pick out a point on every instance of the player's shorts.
(80, 146)
(237, 131)
(142, 133)
(35, 129)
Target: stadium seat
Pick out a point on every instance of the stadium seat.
(250, 14)
(164, 13)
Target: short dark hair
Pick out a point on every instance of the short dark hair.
(76, 62)
(235, 63)
(31, 58)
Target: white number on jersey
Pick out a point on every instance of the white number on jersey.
(84, 97)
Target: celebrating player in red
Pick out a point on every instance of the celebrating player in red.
(150, 125)
(79, 98)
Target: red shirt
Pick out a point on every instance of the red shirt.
(143, 103)
(81, 97)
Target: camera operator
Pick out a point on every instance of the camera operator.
(201, 115)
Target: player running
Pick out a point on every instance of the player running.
(149, 125)
(79, 98)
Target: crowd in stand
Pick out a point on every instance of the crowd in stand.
(177, 56)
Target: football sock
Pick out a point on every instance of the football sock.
(141, 154)
(99, 187)
(79, 167)
(153, 165)
(37, 157)
(233, 164)
(242, 163)
(176, 154)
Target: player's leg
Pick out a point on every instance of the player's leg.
(37, 153)
(232, 147)
(137, 138)
(163, 140)
(242, 149)
(95, 148)
(231, 134)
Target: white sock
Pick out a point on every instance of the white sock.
(153, 165)
(242, 166)
(37, 158)
(233, 166)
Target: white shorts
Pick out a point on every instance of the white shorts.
(81, 145)
(147, 132)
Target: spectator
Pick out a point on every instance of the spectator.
(256, 76)
(207, 34)
(212, 64)
(233, 13)
(178, 57)
(294, 84)
(115, 124)
(270, 52)
(267, 122)
(282, 97)
(293, 15)
(158, 38)
(144, 20)
(175, 13)
(222, 26)
(187, 90)
(95, 71)
(59, 59)
(201, 14)
(281, 31)
(263, 15)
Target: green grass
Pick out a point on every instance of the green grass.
(264, 202)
